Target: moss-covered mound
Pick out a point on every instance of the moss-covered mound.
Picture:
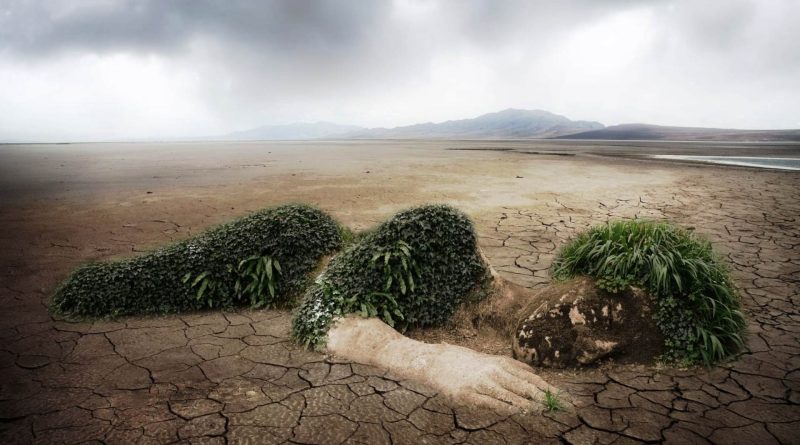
(696, 306)
(264, 257)
(414, 270)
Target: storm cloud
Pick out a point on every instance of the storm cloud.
(112, 69)
(40, 28)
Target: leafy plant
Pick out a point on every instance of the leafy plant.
(415, 268)
(380, 304)
(257, 280)
(399, 267)
(298, 234)
(697, 308)
(552, 401)
(208, 289)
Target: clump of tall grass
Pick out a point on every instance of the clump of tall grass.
(697, 308)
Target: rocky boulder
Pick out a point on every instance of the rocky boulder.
(576, 324)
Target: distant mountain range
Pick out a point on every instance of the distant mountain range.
(509, 124)
(658, 132)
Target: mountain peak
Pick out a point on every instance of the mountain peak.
(650, 132)
(509, 123)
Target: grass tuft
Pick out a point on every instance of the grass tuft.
(552, 402)
(697, 308)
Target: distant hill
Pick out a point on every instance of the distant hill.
(506, 124)
(296, 131)
(665, 133)
(510, 123)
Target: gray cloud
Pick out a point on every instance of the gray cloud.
(36, 28)
(209, 66)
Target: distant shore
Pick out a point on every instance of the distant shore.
(105, 169)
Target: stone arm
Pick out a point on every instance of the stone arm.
(466, 376)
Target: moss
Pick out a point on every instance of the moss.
(443, 262)
(296, 235)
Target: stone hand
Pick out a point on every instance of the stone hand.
(468, 377)
(474, 378)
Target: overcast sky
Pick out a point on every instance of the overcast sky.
(112, 69)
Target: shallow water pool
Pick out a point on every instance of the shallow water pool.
(744, 161)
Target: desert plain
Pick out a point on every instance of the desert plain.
(236, 377)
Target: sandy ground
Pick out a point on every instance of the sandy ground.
(62, 205)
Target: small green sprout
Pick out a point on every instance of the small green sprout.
(552, 402)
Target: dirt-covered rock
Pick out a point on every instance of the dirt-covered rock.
(576, 323)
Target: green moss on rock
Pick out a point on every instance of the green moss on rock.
(296, 235)
(443, 262)
(697, 307)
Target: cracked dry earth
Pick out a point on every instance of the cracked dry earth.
(236, 378)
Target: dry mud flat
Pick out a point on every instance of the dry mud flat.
(235, 377)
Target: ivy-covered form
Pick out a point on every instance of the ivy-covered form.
(222, 267)
(697, 307)
(413, 270)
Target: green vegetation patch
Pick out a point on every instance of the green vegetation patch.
(262, 259)
(552, 402)
(696, 306)
(413, 270)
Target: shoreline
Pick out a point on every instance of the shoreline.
(739, 161)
